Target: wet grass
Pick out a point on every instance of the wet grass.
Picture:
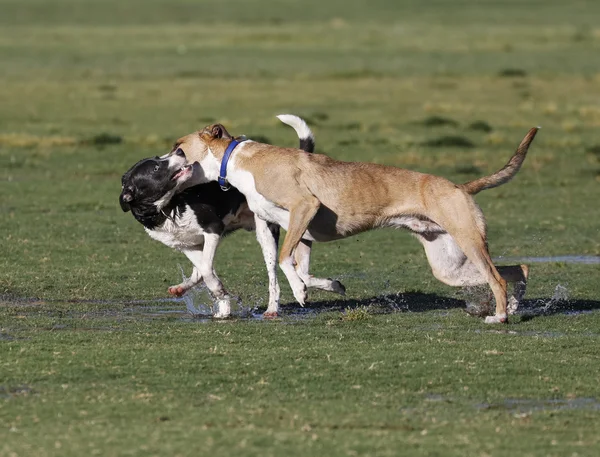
(92, 362)
(336, 383)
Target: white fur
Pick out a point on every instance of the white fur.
(496, 319)
(211, 166)
(449, 264)
(185, 234)
(181, 232)
(164, 201)
(298, 125)
(175, 163)
(269, 250)
(259, 205)
(414, 224)
(296, 283)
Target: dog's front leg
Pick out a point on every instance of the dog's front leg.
(195, 256)
(300, 216)
(180, 289)
(268, 243)
(203, 261)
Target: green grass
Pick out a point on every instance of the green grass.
(87, 88)
(431, 384)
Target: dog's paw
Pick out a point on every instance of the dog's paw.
(222, 308)
(178, 290)
(301, 294)
(270, 314)
(497, 319)
(338, 287)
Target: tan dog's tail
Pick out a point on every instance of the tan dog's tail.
(305, 134)
(507, 172)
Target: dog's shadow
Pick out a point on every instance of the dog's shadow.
(406, 301)
(535, 307)
(416, 301)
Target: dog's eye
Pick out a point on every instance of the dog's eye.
(156, 167)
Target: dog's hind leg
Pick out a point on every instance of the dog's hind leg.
(477, 253)
(268, 236)
(302, 260)
(301, 213)
(463, 221)
(451, 266)
(448, 262)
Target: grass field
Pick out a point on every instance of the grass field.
(92, 362)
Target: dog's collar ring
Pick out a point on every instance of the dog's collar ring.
(225, 186)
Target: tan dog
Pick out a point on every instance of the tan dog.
(316, 198)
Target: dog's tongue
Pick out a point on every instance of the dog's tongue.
(179, 173)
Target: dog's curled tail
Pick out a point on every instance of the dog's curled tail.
(507, 172)
(307, 139)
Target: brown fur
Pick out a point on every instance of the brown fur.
(328, 199)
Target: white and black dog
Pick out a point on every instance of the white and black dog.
(194, 219)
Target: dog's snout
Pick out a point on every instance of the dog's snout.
(180, 152)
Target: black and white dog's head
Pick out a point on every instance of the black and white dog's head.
(150, 184)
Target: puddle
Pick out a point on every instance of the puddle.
(71, 328)
(6, 337)
(201, 305)
(528, 406)
(197, 305)
(579, 259)
(14, 391)
(539, 334)
(24, 301)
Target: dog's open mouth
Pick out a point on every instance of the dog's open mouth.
(182, 172)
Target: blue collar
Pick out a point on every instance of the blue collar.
(223, 173)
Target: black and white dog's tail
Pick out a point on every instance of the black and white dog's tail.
(305, 135)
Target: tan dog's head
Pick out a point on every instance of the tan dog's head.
(204, 146)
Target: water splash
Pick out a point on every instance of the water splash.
(561, 293)
(201, 304)
(479, 300)
(556, 303)
(198, 302)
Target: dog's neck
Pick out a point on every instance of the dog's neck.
(211, 164)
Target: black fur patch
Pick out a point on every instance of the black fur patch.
(149, 180)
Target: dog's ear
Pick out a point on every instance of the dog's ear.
(126, 198)
(218, 131)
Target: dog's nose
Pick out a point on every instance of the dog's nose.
(180, 152)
